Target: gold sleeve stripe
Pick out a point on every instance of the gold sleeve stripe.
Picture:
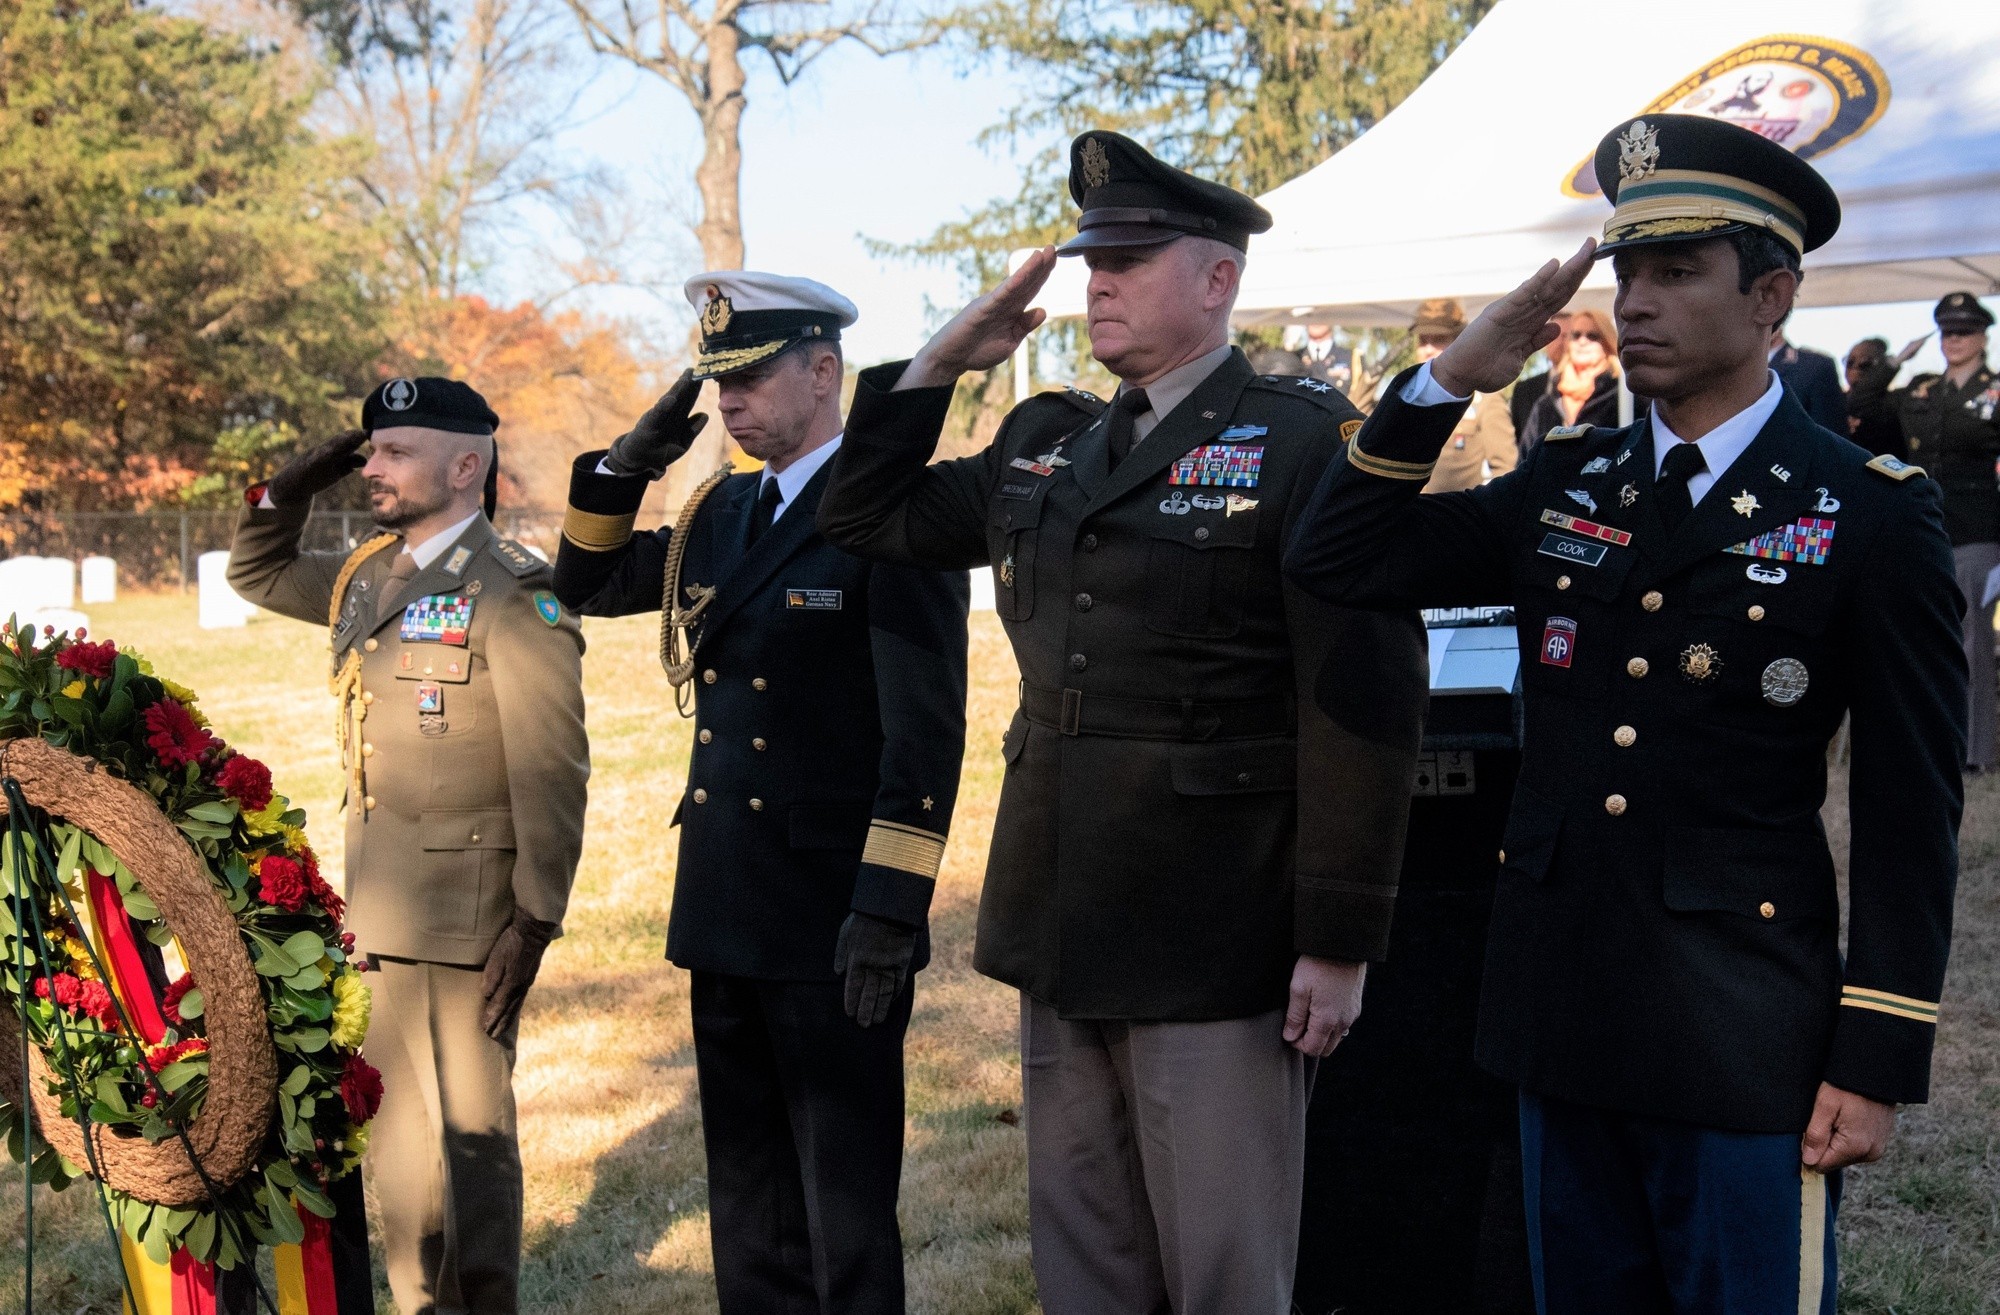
(1386, 468)
(1896, 1006)
(904, 848)
(595, 531)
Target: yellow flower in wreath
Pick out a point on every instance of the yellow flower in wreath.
(268, 820)
(355, 1144)
(351, 1004)
(74, 690)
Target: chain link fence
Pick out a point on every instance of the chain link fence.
(159, 549)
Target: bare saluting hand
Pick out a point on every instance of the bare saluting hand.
(1489, 354)
(987, 331)
(1911, 348)
(1326, 999)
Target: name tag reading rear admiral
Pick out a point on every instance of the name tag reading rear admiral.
(812, 600)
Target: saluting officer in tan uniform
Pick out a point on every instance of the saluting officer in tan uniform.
(460, 681)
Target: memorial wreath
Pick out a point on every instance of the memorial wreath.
(193, 1020)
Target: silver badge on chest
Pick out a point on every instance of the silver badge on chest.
(1785, 682)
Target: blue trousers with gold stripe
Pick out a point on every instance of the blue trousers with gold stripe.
(1651, 1217)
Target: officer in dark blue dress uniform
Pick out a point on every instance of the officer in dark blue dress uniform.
(829, 702)
(1701, 597)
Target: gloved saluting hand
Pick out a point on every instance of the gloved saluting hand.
(318, 469)
(663, 435)
(875, 954)
(510, 970)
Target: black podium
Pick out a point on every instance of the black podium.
(1412, 1186)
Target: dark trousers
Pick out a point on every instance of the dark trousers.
(802, 1116)
(1651, 1217)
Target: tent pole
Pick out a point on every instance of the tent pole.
(1022, 384)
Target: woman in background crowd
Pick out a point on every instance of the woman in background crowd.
(1583, 382)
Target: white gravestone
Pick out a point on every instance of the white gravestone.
(219, 607)
(100, 580)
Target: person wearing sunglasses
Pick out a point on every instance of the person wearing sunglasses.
(1951, 426)
(1583, 385)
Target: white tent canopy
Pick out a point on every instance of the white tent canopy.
(1461, 191)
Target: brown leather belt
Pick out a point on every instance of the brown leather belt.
(1073, 712)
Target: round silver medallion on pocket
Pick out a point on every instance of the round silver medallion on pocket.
(1785, 682)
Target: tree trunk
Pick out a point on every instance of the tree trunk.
(720, 232)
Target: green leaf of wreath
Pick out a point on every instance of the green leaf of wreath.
(192, 1004)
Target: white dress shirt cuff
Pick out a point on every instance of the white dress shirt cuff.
(1423, 390)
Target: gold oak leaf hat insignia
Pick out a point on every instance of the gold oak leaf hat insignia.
(747, 317)
(1686, 177)
(1131, 199)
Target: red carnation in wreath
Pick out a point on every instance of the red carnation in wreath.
(361, 1089)
(245, 780)
(280, 881)
(176, 737)
(160, 1056)
(89, 659)
(89, 999)
(322, 894)
(68, 989)
(170, 1003)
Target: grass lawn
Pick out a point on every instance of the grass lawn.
(616, 1207)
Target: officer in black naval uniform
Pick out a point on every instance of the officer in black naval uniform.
(1951, 423)
(830, 726)
(1207, 784)
(1700, 598)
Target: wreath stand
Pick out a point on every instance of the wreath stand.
(223, 1143)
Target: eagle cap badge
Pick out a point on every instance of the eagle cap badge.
(715, 316)
(1096, 164)
(1638, 152)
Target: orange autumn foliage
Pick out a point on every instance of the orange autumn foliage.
(562, 384)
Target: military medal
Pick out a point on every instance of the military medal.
(438, 619)
(1237, 502)
(1597, 465)
(1583, 499)
(1237, 432)
(1589, 529)
(1032, 467)
(430, 697)
(1053, 457)
(1209, 502)
(1785, 682)
(1007, 571)
(1745, 503)
(1827, 504)
(1175, 505)
(1699, 662)
(1808, 540)
(1227, 464)
(1763, 574)
(1628, 495)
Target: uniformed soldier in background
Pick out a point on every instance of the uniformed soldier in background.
(830, 728)
(460, 680)
(1951, 424)
(1202, 818)
(1701, 597)
(1482, 445)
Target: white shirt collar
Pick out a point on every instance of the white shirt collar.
(1721, 445)
(793, 479)
(433, 548)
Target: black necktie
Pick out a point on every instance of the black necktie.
(1125, 413)
(768, 499)
(1684, 461)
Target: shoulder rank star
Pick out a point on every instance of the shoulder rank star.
(1316, 385)
(1745, 503)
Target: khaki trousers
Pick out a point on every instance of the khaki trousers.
(446, 1167)
(1165, 1164)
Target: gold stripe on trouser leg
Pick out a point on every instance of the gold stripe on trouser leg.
(1812, 1240)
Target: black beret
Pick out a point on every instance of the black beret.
(1682, 177)
(1961, 310)
(1130, 199)
(429, 403)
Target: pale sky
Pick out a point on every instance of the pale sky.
(885, 148)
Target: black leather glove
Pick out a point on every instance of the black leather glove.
(875, 954)
(510, 970)
(662, 436)
(316, 470)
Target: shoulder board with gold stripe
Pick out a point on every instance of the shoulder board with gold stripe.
(1562, 433)
(1895, 468)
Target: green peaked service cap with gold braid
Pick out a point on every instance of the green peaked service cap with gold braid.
(1685, 177)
